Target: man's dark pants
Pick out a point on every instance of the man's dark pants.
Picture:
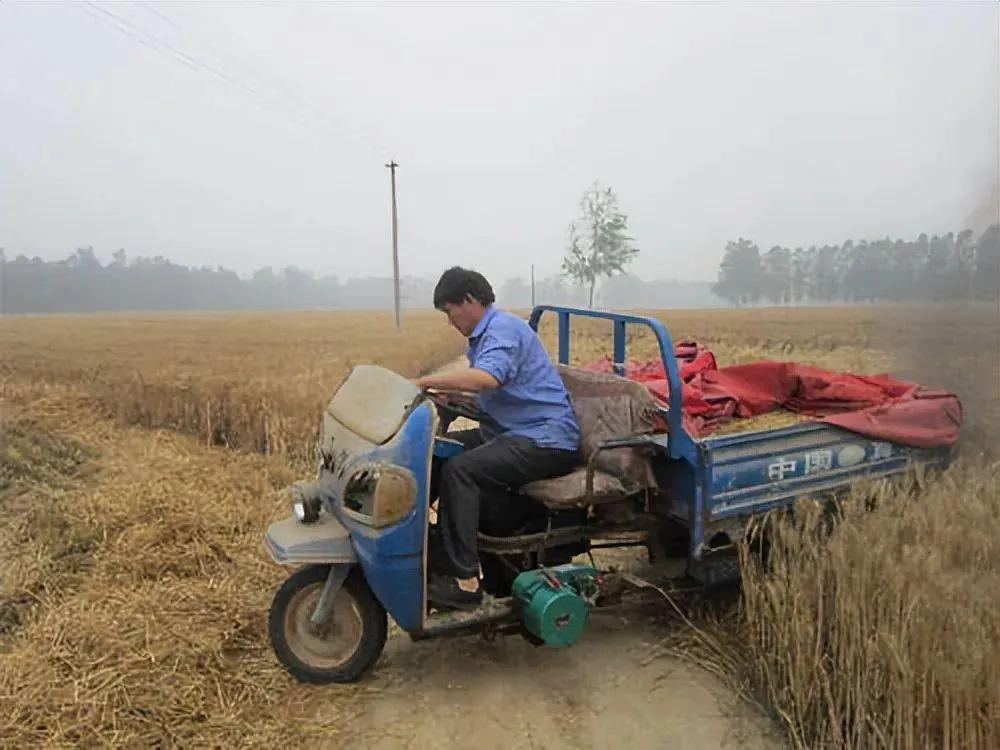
(482, 474)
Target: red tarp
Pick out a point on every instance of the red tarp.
(874, 405)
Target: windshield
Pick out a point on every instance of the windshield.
(372, 402)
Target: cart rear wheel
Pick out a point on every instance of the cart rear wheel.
(342, 649)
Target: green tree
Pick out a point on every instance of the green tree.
(776, 266)
(825, 273)
(599, 244)
(938, 269)
(987, 277)
(965, 263)
(902, 264)
(740, 274)
(800, 283)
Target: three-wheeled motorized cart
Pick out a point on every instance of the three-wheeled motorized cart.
(360, 534)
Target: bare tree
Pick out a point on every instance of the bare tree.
(599, 244)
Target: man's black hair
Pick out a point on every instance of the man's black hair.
(456, 284)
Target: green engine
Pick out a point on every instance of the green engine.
(555, 601)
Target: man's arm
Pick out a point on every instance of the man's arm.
(472, 379)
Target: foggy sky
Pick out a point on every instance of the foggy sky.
(259, 138)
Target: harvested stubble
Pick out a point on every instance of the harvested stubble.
(39, 550)
(133, 588)
(144, 592)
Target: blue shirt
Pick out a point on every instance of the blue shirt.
(531, 400)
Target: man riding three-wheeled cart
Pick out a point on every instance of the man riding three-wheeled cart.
(563, 460)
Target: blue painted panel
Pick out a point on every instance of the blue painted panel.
(398, 582)
(680, 480)
(392, 557)
(757, 471)
(447, 447)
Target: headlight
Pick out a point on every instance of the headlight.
(306, 501)
(381, 495)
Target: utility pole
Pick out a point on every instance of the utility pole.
(3, 282)
(395, 242)
(532, 286)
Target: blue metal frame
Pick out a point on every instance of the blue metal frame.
(680, 444)
(393, 557)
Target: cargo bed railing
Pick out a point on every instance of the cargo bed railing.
(680, 444)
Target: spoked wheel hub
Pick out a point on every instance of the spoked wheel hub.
(330, 644)
(339, 650)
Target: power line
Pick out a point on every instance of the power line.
(157, 12)
(292, 111)
(303, 105)
(123, 29)
(258, 85)
(132, 29)
(149, 7)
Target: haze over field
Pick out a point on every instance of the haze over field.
(253, 135)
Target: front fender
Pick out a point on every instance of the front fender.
(325, 541)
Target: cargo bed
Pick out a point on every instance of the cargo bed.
(714, 485)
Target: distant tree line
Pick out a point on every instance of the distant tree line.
(948, 267)
(621, 291)
(81, 283)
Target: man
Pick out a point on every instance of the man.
(534, 434)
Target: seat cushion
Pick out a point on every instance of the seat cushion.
(569, 490)
(608, 407)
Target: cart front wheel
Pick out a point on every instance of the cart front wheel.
(340, 650)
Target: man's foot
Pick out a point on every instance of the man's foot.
(445, 591)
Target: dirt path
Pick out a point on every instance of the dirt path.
(603, 692)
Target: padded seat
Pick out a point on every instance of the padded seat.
(607, 406)
(570, 490)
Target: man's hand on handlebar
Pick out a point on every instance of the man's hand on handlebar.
(469, 380)
(451, 397)
(454, 404)
(443, 394)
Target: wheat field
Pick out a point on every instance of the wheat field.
(142, 456)
(250, 381)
